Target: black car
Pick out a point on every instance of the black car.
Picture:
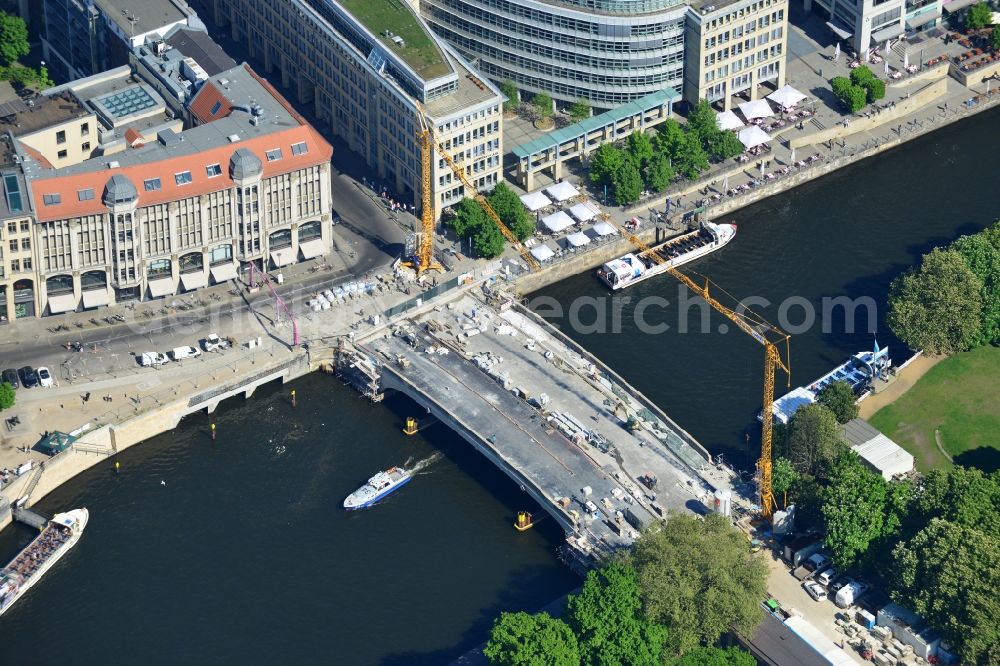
(29, 378)
(10, 376)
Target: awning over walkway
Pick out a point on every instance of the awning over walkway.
(62, 303)
(95, 298)
(223, 272)
(542, 252)
(312, 248)
(727, 120)
(584, 212)
(282, 257)
(557, 221)
(603, 229)
(561, 191)
(161, 286)
(193, 280)
(578, 239)
(786, 96)
(535, 200)
(753, 136)
(889, 32)
(758, 108)
(922, 19)
(840, 32)
(956, 5)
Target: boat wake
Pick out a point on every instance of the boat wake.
(421, 465)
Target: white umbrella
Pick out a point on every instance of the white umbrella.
(727, 120)
(557, 221)
(753, 136)
(725, 183)
(561, 191)
(906, 61)
(792, 158)
(542, 252)
(535, 201)
(604, 229)
(836, 54)
(756, 109)
(578, 239)
(786, 96)
(886, 63)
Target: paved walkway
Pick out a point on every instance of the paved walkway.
(906, 378)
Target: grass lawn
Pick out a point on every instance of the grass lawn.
(960, 398)
(420, 52)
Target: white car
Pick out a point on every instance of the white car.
(815, 590)
(44, 377)
(181, 353)
(213, 342)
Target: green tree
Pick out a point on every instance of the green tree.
(21, 77)
(783, 477)
(699, 579)
(813, 439)
(13, 39)
(979, 16)
(469, 218)
(605, 163)
(853, 508)
(701, 121)
(543, 105)
(488, 241)
(962, 495)
(509, 90)
(691, 159)
(839, 398)
(523, 639)
(840, 85)
(874, 90)
(982, 254)
(608, 621)
(639, 147)
(861, 75)
(579, 110)
(669, 139)
(713, 656)
(723, 145)
(853, 96)
(7, 396)
(950, 574)
(627, 182)
(508, 206)
(658, 173)
(937, 307)
(995, 38)
(806, 494)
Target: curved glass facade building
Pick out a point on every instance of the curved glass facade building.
(608, 52)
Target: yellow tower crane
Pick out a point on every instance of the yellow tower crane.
(766, 334)
(425, 249)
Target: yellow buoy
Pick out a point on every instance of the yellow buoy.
(523, 522)
(411, 426)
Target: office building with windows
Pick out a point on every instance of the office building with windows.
(371, 69)
(734, 48)
(126, 204)
(608, 52)
(17, 270)
(865, 24)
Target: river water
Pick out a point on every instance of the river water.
(236, 551)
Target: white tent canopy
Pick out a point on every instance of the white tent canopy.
(603, 229)
(578, 239)
(786, 96)
(753, 136)
(561, 191)
(727, 120)
(584, 212)
(535, 200)
(756, 109)
(558, 221)
(542, 252)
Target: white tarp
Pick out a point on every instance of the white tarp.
(786, 96)
(561, 191)
(584, 212)
(161, 286)
(753, 136)
(535, 201)
(578, 239)
(558, 221)
(94, 298)
(223, 272)
(62, 303)
(282, 257)
(727, 120)
(756, 109)
(603, 229)
(312, 248)
(542, 252)
(194, 280)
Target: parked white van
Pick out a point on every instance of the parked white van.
(148, 359)
(848, 594)
(181, 353)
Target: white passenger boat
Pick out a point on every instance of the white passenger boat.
(632, 268)
(54, 541)
(377, 487)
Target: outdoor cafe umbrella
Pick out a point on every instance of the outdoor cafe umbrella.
(753, 136)
(786, 96)
(836, 53)
(727, 120)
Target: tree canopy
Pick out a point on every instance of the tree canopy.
(543, 105)
(981, 253)
(470, 221)
(13, 39)
(783, 476)
(962, 495)
(812, 439)
(851, 94)
(937, 307)
(608, 621)
(713, 656)
(509, 90)
(523, 639)
(839, 398)
(627, 181)
(604, 163)
(579, 110)
(509, 208)
(699, 579)
(995, 38)
(979, 16)
(7, 396)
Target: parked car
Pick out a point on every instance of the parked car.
(817, 562)
(815, 590)
(44, 377)
(847, 595)
(181, 353)
(213, 342)
(10, 376)
(29, 378)
(149, 359)
(826, 577)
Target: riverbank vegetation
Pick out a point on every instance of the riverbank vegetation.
(861, 89)
(470, 221)
(668, 601)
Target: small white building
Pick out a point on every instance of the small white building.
(879, 452)
(910, 629)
